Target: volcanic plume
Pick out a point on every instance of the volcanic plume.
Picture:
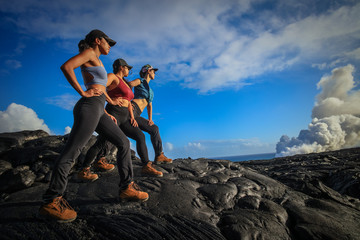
(335, 117)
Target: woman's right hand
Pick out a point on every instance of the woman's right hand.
(92, 92)
(119, 101)
(113, 118)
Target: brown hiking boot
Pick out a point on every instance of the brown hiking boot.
(162, 159)
(103, 165)
(86, 175)
(150, 171)
(59, 210)
(132, 192)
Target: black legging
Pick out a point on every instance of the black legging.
(152, 130)
(89, 116)
(122, 116)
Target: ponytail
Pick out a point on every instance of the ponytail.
(142, 73)
(83, 45)
(116, 68)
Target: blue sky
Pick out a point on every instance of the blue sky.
(234, 76)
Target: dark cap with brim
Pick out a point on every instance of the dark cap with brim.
(147, 67)
(98, 34)
(110, 41)
(120, 62)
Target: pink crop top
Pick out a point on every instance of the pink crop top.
(121, 90)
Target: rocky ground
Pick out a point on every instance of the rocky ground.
(313, 196)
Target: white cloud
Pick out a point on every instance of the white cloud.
(355, 54)
(336, 117)
(196, 146)
(209, 45)
(18, 117)
(20, 47)
(67, 130)
(337, 96)
(65, 101)
(168, 146)
(14, 64)
(132, 144)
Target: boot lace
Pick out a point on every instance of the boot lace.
(136, 187)
(152, 169)
(103, 161)
(87, 171)
(62, 204)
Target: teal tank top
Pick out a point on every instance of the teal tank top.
(143, 91)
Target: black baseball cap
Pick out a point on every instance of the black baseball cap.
(91, 36)
(120, 62)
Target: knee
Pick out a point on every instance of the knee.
(154, 129)
(126, 144)
(140, 137)
(123, 144)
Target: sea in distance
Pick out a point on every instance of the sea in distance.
(261, 156)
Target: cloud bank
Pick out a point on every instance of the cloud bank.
(207, 45)
(18, 117)
(65, 101)
(336, 117)
(218, 148)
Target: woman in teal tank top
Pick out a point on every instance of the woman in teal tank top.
(144, 96)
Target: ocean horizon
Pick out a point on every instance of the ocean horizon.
(240, 158)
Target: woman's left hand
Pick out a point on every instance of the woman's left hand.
(134, 122)
(113, 118)
(115, 101)
(150, 122)
(121, 102)
(92, 92)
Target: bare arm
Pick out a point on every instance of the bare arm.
(112, 82)
(111, 116)
(134, 83)
(132, 118)
(68, 70)
(131, 110)
(149, 110)
(110, 100)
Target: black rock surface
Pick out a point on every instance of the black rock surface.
(312, 196)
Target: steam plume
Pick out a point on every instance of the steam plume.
(335, 117)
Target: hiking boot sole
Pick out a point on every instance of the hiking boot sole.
(104, 170)
(132, 200)
(151, 175)
(87, 180)
(52, 219)
(158, 163)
